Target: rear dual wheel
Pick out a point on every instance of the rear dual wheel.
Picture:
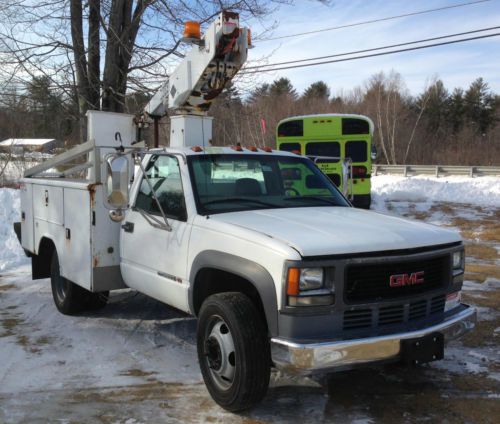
(69, 297)
(233, 351)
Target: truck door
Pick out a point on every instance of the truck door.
(153, 259)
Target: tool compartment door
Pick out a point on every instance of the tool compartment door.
(75, 253)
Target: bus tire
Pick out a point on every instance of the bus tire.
(233, 351)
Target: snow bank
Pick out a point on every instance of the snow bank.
(483, 191)
(11, 253)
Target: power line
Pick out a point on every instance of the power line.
(444, 43)
(374, 48)
(372, 21)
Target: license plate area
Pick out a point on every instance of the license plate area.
(422, 349)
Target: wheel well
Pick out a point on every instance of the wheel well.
(211, 281)
(40, 263)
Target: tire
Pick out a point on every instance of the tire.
(68, 296)
(233, 351)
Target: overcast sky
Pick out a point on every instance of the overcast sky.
(457, 65)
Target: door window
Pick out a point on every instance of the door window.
(165, 178)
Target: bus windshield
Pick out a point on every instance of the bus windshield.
(238, 182)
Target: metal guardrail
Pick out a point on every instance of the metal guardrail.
(436, 170)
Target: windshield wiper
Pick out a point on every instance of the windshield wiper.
(323, 199)
(241, 199)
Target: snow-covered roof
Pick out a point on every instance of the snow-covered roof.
(26, 141)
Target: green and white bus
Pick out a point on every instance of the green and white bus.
(346, 138)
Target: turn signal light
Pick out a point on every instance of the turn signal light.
(192, 30)
(293, 277)
(249, 37)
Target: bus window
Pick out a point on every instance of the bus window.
(290, 147)
(291, 129)
(335, 178)
(351, 126)
(324, 148)
(357, 151)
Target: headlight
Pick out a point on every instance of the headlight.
(458, 259)
(307, 287)
(311, 279)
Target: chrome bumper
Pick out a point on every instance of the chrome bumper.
(310, 358)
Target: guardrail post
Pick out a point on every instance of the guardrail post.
(437, 171)
(405, 171)
(471, 174)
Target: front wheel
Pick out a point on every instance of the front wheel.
(233, 351)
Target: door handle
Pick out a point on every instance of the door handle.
(128, 227)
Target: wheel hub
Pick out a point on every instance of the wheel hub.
(220, 354)
(213, 353)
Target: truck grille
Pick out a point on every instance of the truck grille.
(367, 283)
(357, 319)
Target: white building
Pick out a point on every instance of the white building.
(43, 145)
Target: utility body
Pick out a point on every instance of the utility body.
(279, 274)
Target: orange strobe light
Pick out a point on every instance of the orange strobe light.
(192, 30)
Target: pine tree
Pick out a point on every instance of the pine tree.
(283, 87)
(317, 90)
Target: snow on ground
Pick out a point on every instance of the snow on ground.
(483, 191)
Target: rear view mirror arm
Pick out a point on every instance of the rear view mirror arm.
(167, 225)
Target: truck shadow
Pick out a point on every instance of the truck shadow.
(161, 319)
(390, 393)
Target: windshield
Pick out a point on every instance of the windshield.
(231, 182)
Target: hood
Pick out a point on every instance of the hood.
(319, 231)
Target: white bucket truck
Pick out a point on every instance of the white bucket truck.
(295, 279)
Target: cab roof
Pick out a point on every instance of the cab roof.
(218, 150)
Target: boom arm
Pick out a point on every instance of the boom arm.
(213, 61)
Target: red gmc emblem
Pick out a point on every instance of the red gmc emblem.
(401, 280)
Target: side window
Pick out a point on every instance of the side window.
(165, 178)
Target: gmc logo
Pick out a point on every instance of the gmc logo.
(401, 280)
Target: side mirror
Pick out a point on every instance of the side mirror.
(116, 187)
(374, 153)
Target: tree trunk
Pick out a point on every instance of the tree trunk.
(122, 32)
(80, 65)
(94, 54)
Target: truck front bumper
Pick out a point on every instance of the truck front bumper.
(317, 357)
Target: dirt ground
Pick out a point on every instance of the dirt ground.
(135, 361)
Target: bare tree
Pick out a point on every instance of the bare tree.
(133, 42)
